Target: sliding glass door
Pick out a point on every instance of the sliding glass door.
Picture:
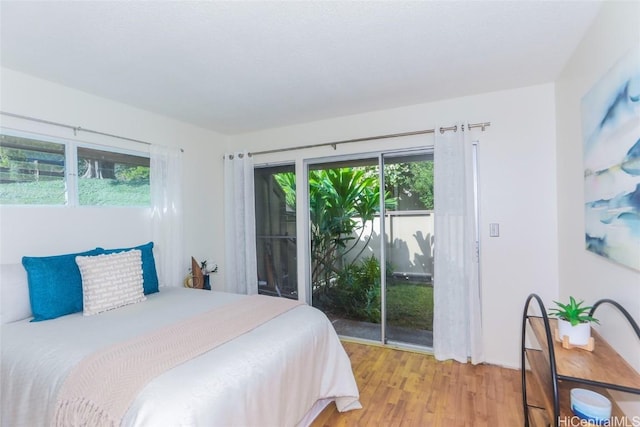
(369, 263)
(371, 251)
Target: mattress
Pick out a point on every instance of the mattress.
(273, 375)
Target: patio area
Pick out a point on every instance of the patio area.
(371, 331)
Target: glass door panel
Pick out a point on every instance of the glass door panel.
(276, 231)
(409, 240)
(345, 245)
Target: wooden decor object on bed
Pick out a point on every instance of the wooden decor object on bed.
(196, 273)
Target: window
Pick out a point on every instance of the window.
(112, 179)
(31, 171)
(35, 171)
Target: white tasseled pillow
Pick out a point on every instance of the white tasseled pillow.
(110, 281)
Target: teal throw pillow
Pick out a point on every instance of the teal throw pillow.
(55, 285)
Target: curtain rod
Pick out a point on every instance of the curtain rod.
(75, 129)
(334, 144)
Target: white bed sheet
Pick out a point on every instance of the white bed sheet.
(271, 376)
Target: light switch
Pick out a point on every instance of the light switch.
(494, 229)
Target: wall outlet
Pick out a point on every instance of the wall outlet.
(494, 229)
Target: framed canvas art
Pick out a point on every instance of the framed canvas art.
(611, 137)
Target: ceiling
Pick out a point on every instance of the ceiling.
(236, 67)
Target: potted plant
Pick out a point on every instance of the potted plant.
(574, 321)
(205, 272)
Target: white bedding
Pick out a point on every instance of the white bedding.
(271, 376)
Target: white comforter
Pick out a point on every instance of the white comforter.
(270, 376)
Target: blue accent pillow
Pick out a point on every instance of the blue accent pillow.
(149, 272)
(55, 285)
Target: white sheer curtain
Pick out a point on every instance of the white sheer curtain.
(457, 329)
(166, 213)
(241, 273)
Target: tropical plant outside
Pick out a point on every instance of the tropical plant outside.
(342, 202)
(356, 293)
(410, 183)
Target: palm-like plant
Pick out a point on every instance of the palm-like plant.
(341, 203)
(573, 312)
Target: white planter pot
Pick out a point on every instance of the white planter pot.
(578, 335)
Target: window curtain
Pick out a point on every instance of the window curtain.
(457, 331)
(166, 213)
(241, 272)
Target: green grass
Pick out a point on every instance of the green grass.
(92, 192)
(410, 305)
(33, 193)
(111, 192)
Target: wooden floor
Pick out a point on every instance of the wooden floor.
(400, 388)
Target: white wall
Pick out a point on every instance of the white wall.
(583, 274)
(517, 184)
(54, 230)
(407, 254)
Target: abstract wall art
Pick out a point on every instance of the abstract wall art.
(611, 137)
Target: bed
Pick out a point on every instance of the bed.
(281, 373)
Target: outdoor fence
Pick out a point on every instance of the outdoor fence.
(30, 171)
(410, 248)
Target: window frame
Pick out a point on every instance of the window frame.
(71, 179)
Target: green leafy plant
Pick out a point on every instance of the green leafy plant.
(355, 293)
(573, 312)
(342, 201)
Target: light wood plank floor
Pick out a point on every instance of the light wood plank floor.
(401, 388)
